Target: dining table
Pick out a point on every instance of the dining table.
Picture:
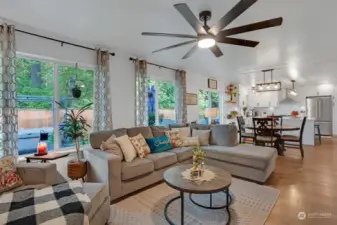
(277, 129)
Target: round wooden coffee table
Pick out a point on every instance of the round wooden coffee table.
(220, 183)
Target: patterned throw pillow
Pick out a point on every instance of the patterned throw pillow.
(140, 145)
(183, 131)
(159, 144)
(112, 146)
(175, 138)
(191, 141)
(9, 178)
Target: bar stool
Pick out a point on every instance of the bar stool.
(318, 129)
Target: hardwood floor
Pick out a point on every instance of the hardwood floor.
(307, 185)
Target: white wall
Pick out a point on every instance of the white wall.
(196, 82)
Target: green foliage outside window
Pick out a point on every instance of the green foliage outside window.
(36, 79)
(166, 97)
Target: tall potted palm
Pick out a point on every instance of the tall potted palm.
(75, 127)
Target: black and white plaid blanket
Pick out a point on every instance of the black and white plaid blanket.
(61, 204)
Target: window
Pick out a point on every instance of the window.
(161, 103)
(38, 85)
(207, 99)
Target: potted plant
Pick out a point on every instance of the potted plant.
(75, 128)
(76, 91)
(198, 162)
(244, 109)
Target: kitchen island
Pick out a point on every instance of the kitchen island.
(309, 129)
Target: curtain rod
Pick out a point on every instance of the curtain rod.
(153, 64)
(57, 40)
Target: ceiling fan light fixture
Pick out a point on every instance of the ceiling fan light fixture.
(206, 43)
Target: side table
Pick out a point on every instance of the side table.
(48, 157)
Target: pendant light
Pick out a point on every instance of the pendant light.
(268, 86)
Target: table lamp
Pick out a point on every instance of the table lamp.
(211, 113)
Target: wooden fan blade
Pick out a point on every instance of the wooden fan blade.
(236, 41)
(191, 51)
(175, 46)
(236, 11)
(186, 12)
(216, 51)
(251, 27)
(169, 35)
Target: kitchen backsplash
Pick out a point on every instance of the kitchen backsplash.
(282, 109)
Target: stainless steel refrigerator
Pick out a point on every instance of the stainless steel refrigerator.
(320, 109)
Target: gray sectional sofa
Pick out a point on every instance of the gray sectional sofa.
(251, 162)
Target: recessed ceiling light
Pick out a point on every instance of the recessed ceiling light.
(206, 43)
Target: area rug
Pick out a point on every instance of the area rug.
(251, 205)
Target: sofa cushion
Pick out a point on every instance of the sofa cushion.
(96, 138)
(244, 154)
(191, 141)
(140, 145)
(162, 159)
(200, 126)
(97, 193)
(183, 153)
(171, 126)
(224, 135)
(9, 176)
(159, 131)
(136, 168)
(145, 131)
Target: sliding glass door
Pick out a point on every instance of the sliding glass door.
(39, 83)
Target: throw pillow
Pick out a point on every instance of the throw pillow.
(175, 138)
(184, 131)
(112, 146)
(159, 144)
(190, 141)
(203, 136)
(128, 150)
(9, 177)
(159, 131)
(140, 145)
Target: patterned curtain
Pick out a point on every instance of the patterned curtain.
(180, 95)
(8, 111)
(141, 93)
(102, 101)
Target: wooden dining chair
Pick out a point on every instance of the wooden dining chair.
(293, 141)
(242, 131)
(278, 120)
(263, 131)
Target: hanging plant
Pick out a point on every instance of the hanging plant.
(76, 91)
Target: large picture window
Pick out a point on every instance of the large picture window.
(161, 103)
(207, 99)
(39, 83)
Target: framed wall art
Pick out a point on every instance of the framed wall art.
(191, 99)
(212, 84)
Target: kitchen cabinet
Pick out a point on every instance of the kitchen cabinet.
(264, 99)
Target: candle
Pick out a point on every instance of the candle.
(42, 148)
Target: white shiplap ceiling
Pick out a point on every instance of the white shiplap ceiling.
(303, 48)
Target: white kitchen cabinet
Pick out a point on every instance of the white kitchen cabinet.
(263, 99)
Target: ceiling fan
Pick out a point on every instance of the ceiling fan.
(208, 37)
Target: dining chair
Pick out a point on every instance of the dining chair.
(242, 131)
(278, 120)
(318, 129)
(293, 141)
(263, 131)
